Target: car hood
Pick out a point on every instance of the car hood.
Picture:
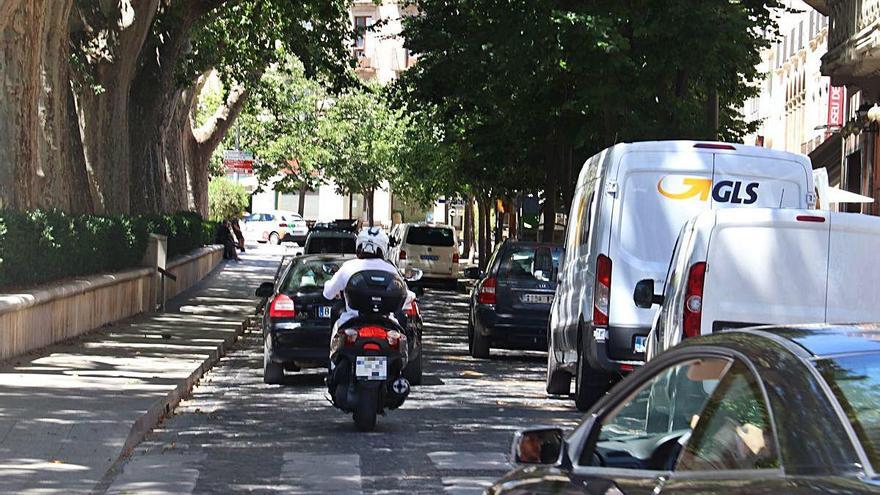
(534, 479)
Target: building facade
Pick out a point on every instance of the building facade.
(853, 61)
(797, 107)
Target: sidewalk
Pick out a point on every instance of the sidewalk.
(68, 411)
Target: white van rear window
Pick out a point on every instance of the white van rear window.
(430, 236)
(649, 220)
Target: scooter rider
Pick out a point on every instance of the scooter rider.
(372, 245)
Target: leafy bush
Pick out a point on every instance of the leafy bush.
(226, 199)
(42, 245)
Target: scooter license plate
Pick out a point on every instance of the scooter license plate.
(371, 367)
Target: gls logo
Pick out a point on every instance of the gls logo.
(725, 191)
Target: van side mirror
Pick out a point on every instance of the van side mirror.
(266, 289)
(644, 296)
(537, 446)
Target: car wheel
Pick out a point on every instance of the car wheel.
(479, 345)
(274, 239)
(273, 373)
(590, 385)
(558, 381)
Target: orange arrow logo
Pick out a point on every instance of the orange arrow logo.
(695, 186)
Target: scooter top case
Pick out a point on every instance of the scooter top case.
(375, 292)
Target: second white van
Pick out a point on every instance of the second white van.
(630, 203)
(743, 268)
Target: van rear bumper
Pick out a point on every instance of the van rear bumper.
(611, 349)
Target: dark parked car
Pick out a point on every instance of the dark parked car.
(510, 304)
(771, 410)
(297, 319)
(330, 241)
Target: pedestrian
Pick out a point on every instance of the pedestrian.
(226, 237)
(236, 228)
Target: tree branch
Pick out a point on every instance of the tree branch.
(214, 130)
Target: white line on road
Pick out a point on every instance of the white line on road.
(159, 475)
(312, 473)
(470, 461)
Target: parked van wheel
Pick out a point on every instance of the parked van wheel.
(590, 385)
(558, 381)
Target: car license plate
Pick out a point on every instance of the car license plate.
(324, 311)
(641, 344)
(429, 257)
(538, 298)
(371, 367)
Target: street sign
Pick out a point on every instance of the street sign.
(237, 161)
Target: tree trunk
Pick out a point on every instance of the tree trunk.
(468, 226)
(20, 41)
(303, 188)
(368, 204)
(512, 221)
(482, 233)
(550, 192)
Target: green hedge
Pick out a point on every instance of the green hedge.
(44, 245)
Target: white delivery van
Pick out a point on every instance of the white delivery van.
(734, 269)
(430, 247)
(630, 203)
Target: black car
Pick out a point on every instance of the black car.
(771, 410)
(330, 241)
(510, 304)
(297, 319)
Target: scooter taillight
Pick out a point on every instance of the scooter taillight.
(370, 346)
(372, 333)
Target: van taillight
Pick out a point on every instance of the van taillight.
(487, 292)
(402, 255)
(455, 258)
(810, 218)
(282, 307)
(602, 291)
(693, 300)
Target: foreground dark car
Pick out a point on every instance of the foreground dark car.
(297, 319)
(767, 410)
(510, 304)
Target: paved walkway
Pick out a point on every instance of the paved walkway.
(67, 411)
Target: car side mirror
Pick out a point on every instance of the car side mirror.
(472, 273)
(266, 289)
(541, 445)
(644, 296)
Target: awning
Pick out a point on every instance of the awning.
(837, 195)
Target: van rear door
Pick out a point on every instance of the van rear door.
(853, 271)
(657, 192)
(765, 266)
(767, 181)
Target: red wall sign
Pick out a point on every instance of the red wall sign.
(836, 99)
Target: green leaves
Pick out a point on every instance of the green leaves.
(226, 199)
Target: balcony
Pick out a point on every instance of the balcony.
(853, 56)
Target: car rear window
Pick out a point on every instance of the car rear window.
(309, 276)
(338, 245)
(530, 263)
(855, 381)
(430, 236)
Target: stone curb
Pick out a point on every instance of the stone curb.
(163, 407)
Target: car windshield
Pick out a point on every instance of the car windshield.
(855, 381)
(530, 262)
(339, 245)
(309, 276)
(430, 236)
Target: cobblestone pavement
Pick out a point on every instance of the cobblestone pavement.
(238, 435)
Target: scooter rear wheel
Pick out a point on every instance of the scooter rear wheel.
(367, 409)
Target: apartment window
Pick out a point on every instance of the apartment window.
(813, 30)
(360, 31)
(801, 35)
(785, 47)
(791, 43)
